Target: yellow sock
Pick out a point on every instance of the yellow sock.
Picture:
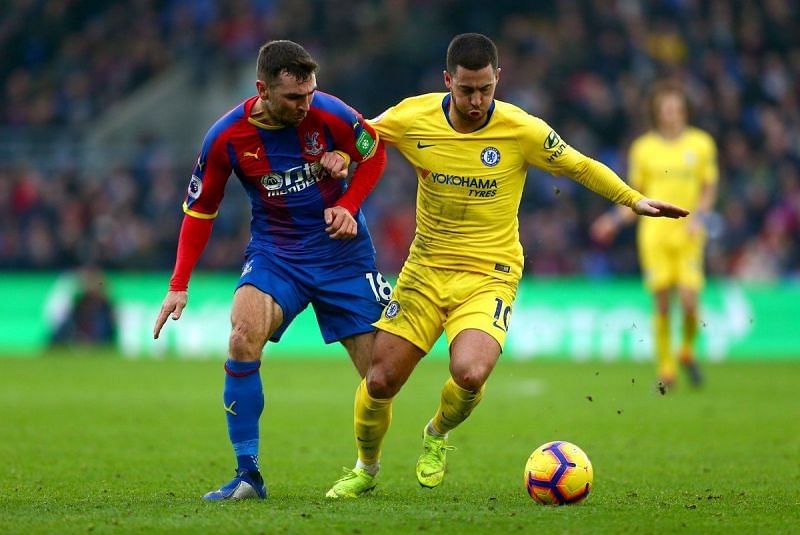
(689, 335)
(666, 364)
(455, 406)
(372, 419)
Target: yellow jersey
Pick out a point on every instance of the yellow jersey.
(470, 185)
(674, 171)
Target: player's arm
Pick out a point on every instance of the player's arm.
(708, 198)
(599, 178)
(206, 188)
(705, 208)
(365, 178)
(367, 134)
(709, 175)
(355, 141)
(606, 227)
(545, 149)
(341, 217)
(389, 127)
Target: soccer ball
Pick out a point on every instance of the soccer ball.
(558, 473)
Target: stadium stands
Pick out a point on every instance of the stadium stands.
(582, 65)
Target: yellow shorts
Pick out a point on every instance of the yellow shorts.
(427, 300)
(667, 265)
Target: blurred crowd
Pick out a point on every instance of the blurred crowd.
(584, 66)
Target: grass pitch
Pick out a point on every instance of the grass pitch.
(106, 445)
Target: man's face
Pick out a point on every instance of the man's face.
(670, 111)
(472, 92)
(288, 99)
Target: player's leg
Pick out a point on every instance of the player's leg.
(359, 347)
(255, 315)
(660, 268)
(473, 355)
(477, 329)
(691, 281)
(402, 339)
(689, 299)
(393, 360)
(665, 361)
(264, 304)
(347, 300)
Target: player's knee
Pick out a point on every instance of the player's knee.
(689, 305)
(381, 385)
(471, 377)
(662, 306)
(243, 345)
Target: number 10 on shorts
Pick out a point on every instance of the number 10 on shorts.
(502, 312)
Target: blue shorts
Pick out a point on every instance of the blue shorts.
(347, 298)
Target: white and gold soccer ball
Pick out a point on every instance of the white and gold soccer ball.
(558, 473)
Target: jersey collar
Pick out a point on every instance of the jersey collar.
(248, 107)
(446, 107)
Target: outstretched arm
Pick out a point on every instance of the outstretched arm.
(605, 227)
(600, 179)
(191, 242)
(545, 149)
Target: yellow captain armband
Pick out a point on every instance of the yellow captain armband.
(343, 155)
(198, 215)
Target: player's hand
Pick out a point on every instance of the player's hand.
(656, 208)
(341, 223)
(335, 164)
(174, 303)
(604, 229)
(696, 226)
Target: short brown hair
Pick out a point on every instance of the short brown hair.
(277, 57)
(658, 90)
(473, 51)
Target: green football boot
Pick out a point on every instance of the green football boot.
(352, 484)
(431, 464)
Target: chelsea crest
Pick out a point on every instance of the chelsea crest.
(490, 156)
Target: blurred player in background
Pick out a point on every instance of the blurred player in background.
(471, 154)
(289, 146)
(678, 163)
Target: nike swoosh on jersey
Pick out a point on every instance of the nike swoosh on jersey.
(421, 146)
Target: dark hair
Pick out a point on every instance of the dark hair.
(473, 51)
(658, 90)
(277, 57)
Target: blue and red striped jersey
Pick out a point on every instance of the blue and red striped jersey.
(280, 170)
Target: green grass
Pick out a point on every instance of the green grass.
(105, 445)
